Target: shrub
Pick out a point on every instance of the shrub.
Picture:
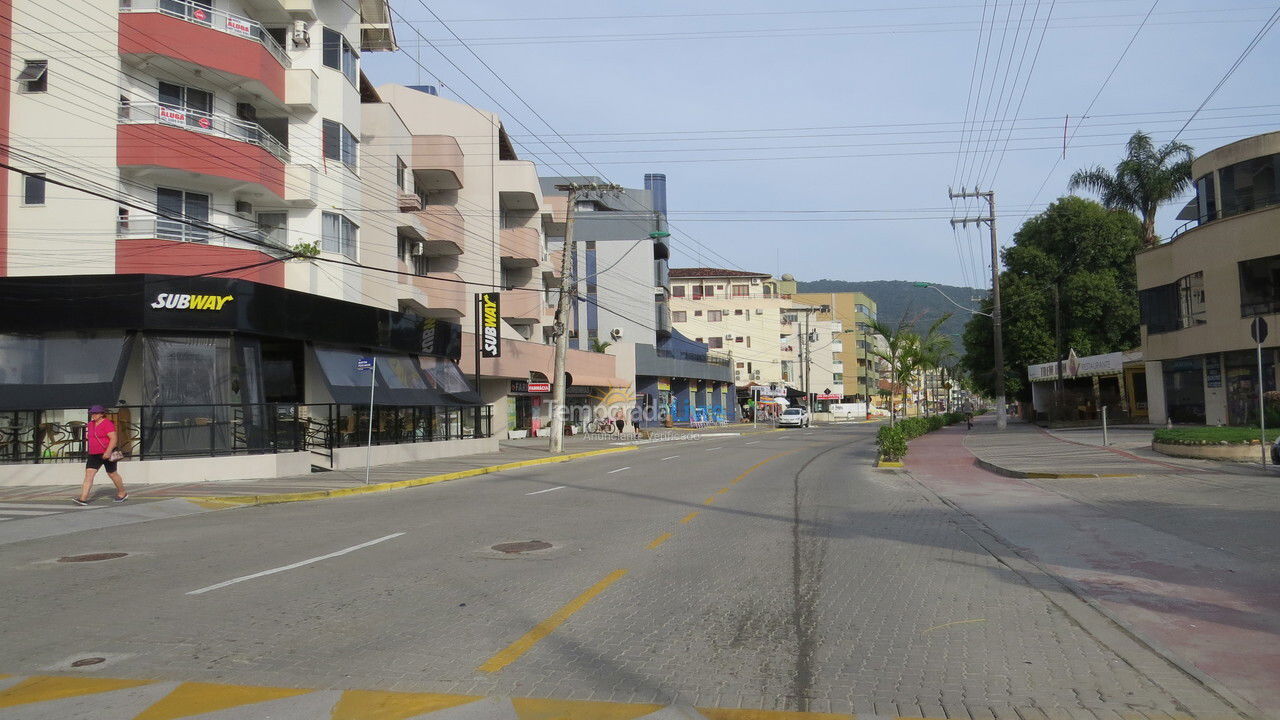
(892, 442)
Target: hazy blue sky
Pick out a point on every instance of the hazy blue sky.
(756, 112)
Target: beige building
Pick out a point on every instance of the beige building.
(1201, 289)
(853, 310)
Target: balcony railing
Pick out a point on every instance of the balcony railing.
(216, 124)
(1254, 203)
(153, 226)
(220, 20)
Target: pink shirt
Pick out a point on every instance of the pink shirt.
(98, 433)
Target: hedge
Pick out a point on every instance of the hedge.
(893, 440)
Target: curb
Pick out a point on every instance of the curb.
(1021, 475)
(250, 500)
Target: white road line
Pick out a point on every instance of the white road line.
(34, 506)
(539, 492)
(619, 470)
(718, 447)
(753, 442)
(273, 571)
(7, 511)
(673, 457)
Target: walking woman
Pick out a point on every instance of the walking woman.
(103, 452)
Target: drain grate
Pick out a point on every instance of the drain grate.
(83, 662)
(512, 548)
(92, 557)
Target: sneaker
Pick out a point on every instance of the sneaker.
(81, 503)
(122, 498)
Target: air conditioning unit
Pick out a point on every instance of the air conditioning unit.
(759, 311)
(616, 333)
(755, 374)
(244, 208)
(729, 336)
(417, 248)
(301, 37)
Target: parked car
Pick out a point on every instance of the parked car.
(794, 417)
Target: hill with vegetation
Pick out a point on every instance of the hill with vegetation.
(896, 299)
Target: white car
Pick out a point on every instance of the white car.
(794, 417)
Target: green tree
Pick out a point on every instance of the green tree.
(1145, 178)
(898, 341)
(598, 346)
(1087, 252)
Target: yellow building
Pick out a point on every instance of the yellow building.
(853, 310)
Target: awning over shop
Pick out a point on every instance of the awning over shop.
(62, 370)
(400, 379)
(1087, 366)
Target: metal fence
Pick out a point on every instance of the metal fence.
(218, 124)
(156, 432)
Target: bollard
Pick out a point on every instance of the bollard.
(1105, 443)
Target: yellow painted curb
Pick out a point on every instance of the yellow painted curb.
(888, 464)
(236, 500)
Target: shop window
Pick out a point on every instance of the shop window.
(34, 77)
(1260, 286)
(338, 234)
(339, 55)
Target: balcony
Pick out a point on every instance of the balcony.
(517, 182)
(436, 162)
(444, 227)
(521, 307)
(409, 202)
(520, 247)
(551, 275)
(152, 245)
(152, 226)
(446, 296)
(151, 135)
(301, 188)
(192, 36)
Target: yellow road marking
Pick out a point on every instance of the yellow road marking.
(381, 705)
(748, 714)
(957, 622)
(660, 539)
(749, 470)
(194, 698)
(513, 651)
(545, 709)
(722, 491)
(687, 518)
(42, 689)
(709, 500)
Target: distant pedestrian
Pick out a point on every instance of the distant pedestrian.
(104, 451)
(619, 419)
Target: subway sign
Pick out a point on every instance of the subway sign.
(184, 301)
(490, 343)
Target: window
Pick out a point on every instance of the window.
(741, 364)
(741, 290)
(714, 316)
(33, 189)
(709, 291)
(401, 173)
(738, 339)
(748, 342)
(679, 316)
(715, 342)
(338, 234)
(1174, 306)
(1250, 185)
(677, 291)
(697, 313)
(273, 227)
(737, 312)
(1206, 203)
(34, 77)
(339, 143)
(1260, 286)
(182, 215)
(186, 106)
(339, 55)
(697, 339)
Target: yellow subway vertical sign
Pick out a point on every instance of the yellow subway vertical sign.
(490, 345)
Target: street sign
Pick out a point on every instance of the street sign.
(364, 363)
(1258, 330)
(536, 387)
(489, 339)
(829, 396)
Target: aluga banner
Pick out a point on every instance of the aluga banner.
(490, 346)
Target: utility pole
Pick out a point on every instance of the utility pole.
(808, 368)
(567, 293)
(866, 367)
(990, 220)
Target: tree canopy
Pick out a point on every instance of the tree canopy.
(1085, 250)
(1145, 178)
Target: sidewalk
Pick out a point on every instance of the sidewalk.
(338, 482)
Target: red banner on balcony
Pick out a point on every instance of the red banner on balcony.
(242, 27)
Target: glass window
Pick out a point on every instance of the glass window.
(33, 189)
(338, 143)
(1250, 185)
(401, 172)
(339, 55)
(715, 342)
(338, 234)
(1191, 300)
(741, 290)
(34, 77)
(677, 291)
(714, 316)
(183, 215)
(1260, 286)
(679, 316)
(1206, 203)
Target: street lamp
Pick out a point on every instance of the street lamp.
(948, 297)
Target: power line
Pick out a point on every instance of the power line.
(1257, 38)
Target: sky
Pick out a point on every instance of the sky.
(820, 138)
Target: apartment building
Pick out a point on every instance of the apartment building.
(854, 310)
(621, 303)
(1201, 289)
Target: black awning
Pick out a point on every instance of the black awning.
(62, 370)
(400, 380)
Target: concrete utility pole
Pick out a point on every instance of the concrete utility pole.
(990, 220)
(567, 291)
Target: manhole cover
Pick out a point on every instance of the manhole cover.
(92, 557)
(522, 547)
(88, 661)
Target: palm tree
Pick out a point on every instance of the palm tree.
(598, 347)
(1146, 177)
(932, 349)
(898, 340)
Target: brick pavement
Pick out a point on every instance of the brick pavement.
(1025, 450)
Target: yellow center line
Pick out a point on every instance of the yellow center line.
(689, 517)
(658, 541)
(749, 470)
(512, 652)
(709, 500)
(722, 491)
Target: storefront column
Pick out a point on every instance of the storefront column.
(1157, 411)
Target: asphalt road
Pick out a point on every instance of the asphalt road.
(769, 571)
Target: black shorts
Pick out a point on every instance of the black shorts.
(97, 461)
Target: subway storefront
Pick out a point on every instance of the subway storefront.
(198, 366)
